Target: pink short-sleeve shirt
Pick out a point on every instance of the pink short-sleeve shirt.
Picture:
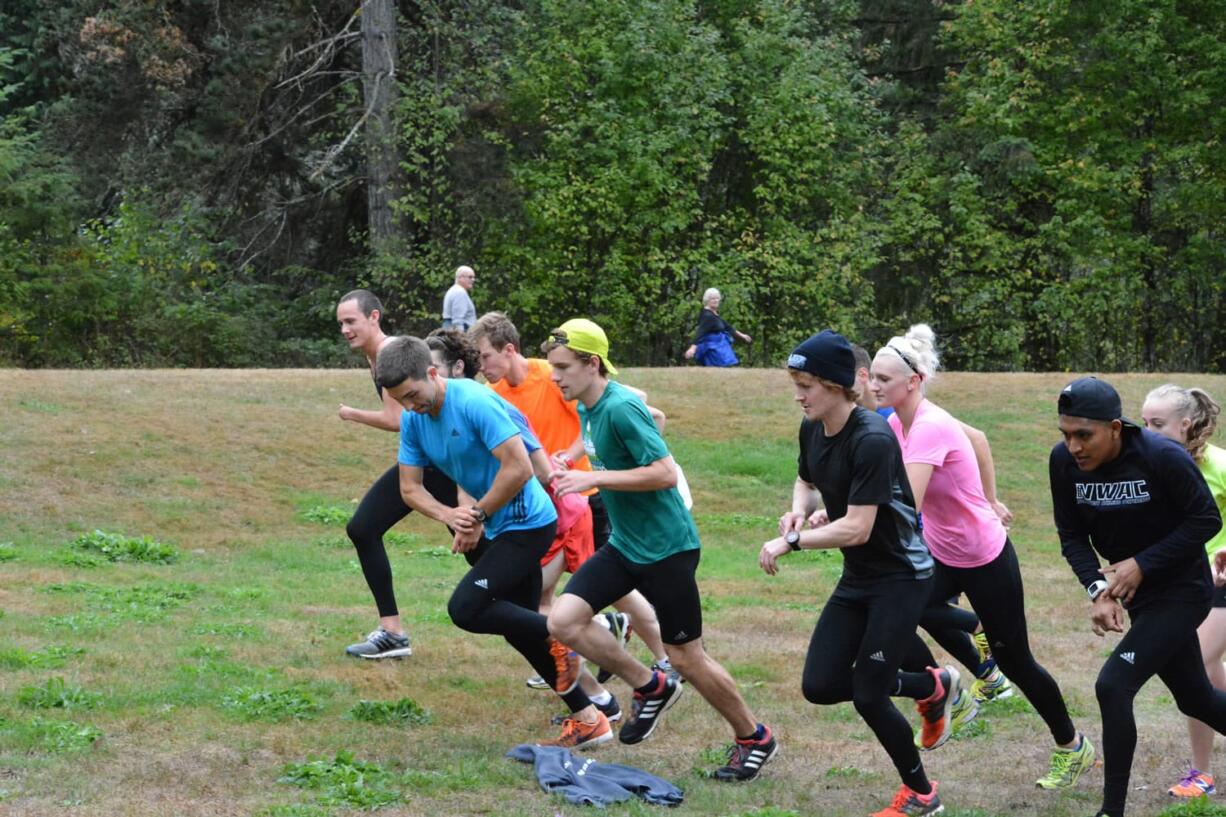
(960, 527)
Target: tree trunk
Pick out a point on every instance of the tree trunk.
(379, 91)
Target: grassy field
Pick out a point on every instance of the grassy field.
(188, 657)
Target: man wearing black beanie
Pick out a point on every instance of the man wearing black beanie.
(850, 462)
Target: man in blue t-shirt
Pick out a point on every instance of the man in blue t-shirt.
(504, 523)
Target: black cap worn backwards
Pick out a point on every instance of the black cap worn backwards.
(826, 355)
(1093, 399)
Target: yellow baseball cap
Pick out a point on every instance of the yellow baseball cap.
(582, 335)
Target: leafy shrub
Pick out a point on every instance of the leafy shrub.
(55, 693)
(115, 547)
(254, 703)
(405, 710)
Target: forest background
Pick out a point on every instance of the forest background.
(194, 183)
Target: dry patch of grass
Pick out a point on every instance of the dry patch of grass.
(226, 467)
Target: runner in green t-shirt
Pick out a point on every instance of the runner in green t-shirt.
(654, 548)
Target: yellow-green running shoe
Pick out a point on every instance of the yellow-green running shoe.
(992, 688)
(981, 646)
(1067, 765)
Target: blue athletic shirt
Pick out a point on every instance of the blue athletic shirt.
(472, 422)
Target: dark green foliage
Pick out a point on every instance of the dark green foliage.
(183, 185)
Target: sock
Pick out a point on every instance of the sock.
(759, 734)
(664, 664)
(602, 699)
(653, 686)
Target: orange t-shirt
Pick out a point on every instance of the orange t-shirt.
(554, 418)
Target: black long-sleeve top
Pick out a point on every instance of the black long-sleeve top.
(1151, 503)
(710, 323)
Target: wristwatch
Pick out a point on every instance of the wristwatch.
(480, 512)
(793, 539)
(1095, 590)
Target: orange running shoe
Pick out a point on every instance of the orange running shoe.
(1193, 784)
(908, 803)
(936, 724)
(567, 662)
(579, 735)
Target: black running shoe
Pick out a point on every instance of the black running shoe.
(647, 711)
(746, 758)
(381, 644)
(619, 625)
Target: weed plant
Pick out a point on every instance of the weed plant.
(48, 736)
(404, 711)
(55, 693)
(255, 703)
(328, 514)
(114, 547)
(344, 781)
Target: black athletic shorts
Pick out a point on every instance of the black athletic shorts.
(1219, 596)
(668, 584)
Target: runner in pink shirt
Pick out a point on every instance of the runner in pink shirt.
(969, 544)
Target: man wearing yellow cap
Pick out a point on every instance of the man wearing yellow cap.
(654, 548)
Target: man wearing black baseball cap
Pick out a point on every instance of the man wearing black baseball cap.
(1137, 500)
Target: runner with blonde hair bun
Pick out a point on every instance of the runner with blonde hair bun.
(969, 544)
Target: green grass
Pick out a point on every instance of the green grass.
(51, 657)
(56, 693)
(42, 735)
(115, 672)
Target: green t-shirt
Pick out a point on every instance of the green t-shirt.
(1213, 469)
(619, 434)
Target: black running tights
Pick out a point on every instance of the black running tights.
(500, 595)
(379, 510)
(995, 592)
(1161, 641)
(854, 655)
